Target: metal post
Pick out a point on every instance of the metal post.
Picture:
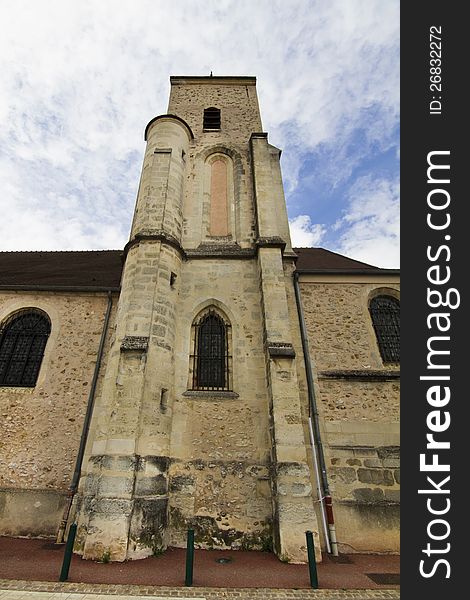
(189, 558)
(64, 573)
(312, 565)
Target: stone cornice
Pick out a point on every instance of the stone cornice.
(258, 135)
(211, 80)
(134, 343)
(281, 349)
(157, 235)
(360, 374)
(271, 242)
(210, 394)
(220, 251)
(169, 117)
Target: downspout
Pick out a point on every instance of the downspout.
(315, 435)
(86, 426)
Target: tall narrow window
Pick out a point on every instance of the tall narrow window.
(23, 339)
(385, 314)
(211, 360)
(211, 118)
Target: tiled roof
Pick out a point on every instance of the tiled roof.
(101, 269)
(90, 269)
(321, 260)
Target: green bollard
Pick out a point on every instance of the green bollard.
(189, 558)
(312, 565)
(64, 573)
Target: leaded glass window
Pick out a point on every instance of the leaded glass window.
(211, 360)
(23, 339)
(385, 314)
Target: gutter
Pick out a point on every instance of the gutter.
(315, 435)
(348, 272)
(86, 426)
(57, 288)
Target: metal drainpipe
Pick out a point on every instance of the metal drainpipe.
(86, 426)
(315, 436)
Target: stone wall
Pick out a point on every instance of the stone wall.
(224, 477)
(239, 119)
(238, 105)
(30, 512)
(340, 330)
(162, 456)
(358, 402)
(40, 427)
(358, 399)
(219, 477)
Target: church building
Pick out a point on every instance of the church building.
(206, 376)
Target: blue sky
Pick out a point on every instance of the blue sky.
(79, 80)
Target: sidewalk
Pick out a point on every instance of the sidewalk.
(88, 592)
(35, 565)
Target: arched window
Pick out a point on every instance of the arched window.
(385, 314)
(210, 359)
(219, 205)
(211, 118)
(23, 339)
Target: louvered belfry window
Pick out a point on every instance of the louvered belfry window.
(211, 368)
(23, 339)
(211, 118)
(385, 314)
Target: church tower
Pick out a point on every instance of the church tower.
(199, 419)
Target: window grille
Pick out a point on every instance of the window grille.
(211, 360)
(22, 342)
(211, 118)
(385, 314)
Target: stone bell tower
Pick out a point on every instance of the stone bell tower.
(198, 422)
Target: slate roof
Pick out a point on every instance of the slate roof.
(100, 270)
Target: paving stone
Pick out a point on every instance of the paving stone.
(34, 590)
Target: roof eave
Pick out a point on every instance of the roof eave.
(348, 271)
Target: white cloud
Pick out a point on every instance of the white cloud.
(304, 233)
(371, 223)
(79, 80)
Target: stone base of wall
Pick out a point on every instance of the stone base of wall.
(30, 513)
(364, 473)
(368, 528)
(227, 503)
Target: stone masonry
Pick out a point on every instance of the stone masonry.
(210, 234)
(40, 427)
(359, 407)
(163, 457)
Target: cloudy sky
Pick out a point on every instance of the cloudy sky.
(80, 79)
